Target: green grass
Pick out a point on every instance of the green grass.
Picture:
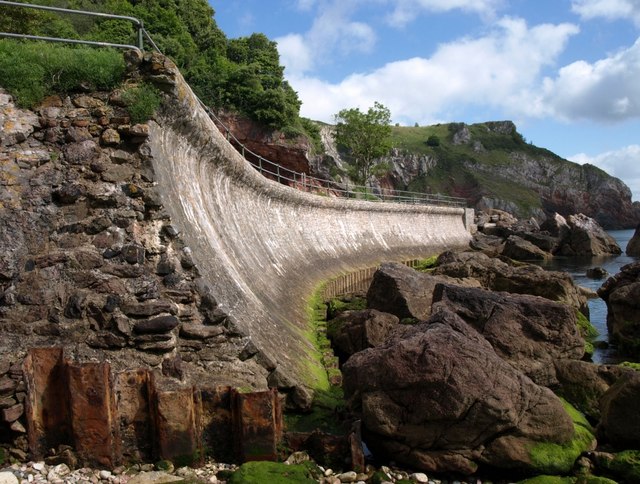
(631, 364)
(552, 458)
(30, 71)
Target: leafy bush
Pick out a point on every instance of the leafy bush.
(433, 140)
(142, 102)
(31, 71)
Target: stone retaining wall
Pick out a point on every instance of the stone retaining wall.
(262, 247)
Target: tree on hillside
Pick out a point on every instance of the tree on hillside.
(366, 136)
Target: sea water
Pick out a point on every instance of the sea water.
(577, 268)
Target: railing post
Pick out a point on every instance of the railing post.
(140, 37)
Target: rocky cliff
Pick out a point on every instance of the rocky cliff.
(489, 164)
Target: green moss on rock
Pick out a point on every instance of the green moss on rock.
(587, 329)
(552, 458)
(631, 364)
(567, 480)
(626, 465)
(275, 473)
(424, 265)
(548, 480)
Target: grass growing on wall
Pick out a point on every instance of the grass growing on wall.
(30, 71)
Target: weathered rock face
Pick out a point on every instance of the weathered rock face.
(437, 397)
(354, 331)
(269, 144)
(405, 292)
(498, 275)
(587, 238)
(622, 295)
(517, 248)
(583, 384)
(620, 423)
(529, 332)
(633, 246)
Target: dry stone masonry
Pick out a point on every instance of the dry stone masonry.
(147, 273)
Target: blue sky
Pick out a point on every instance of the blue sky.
(567, 72)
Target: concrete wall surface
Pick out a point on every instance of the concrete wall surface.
(263, 247)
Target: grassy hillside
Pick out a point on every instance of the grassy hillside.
(475, 161)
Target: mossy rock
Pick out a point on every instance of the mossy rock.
(626, 465)
(275, 473)
(631, 364)
(587, 329)
(548, 480)
(552, 458)
(425, 265)
(336, 306)
(379, 477)
(567, 480)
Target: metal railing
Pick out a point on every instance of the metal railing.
(308, 183)
(141, 34)
(269, 169)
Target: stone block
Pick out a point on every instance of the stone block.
(217, 423)
(176, 424)
(132, 389)
(257, 425)
(47, 402)
(93, 413)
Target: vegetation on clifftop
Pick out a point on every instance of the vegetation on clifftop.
(241, 74)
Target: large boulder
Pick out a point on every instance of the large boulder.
(620, 421)
(438, 398)
(354, 331)
(633, 246)
(583, 383)
(622, 295)
(518, 248)
(504, 275)
(400, 290)
(587, 238)
(529, 332)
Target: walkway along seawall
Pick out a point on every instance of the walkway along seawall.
(264, 248)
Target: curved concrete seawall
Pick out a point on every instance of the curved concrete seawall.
(262, 247)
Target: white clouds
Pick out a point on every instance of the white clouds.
(607, 90)
(623, 163)
(495, 70)
(333, 33)
(407, 10)
(294, 53)
(609, 9)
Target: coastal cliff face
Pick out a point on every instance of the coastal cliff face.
(489, 164)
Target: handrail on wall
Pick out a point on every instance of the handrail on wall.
(298, 180)
(137, 22)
